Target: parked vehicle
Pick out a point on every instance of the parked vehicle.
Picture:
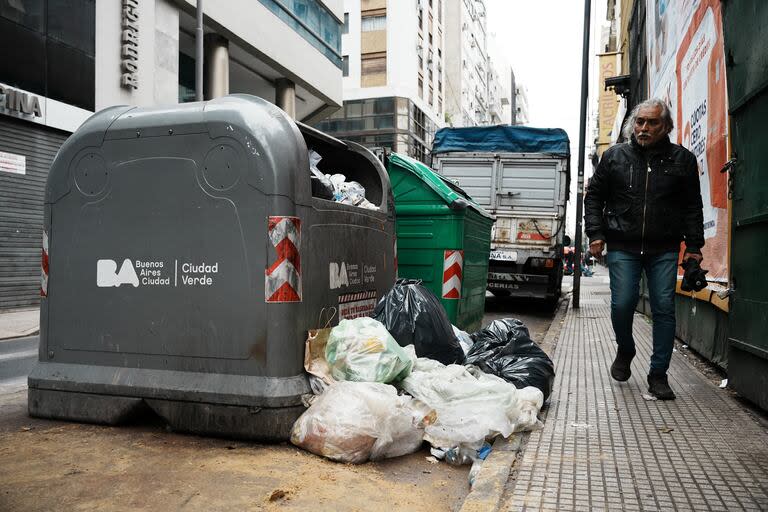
(520, 175)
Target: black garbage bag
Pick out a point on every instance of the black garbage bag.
(505, 348)
(414, 316)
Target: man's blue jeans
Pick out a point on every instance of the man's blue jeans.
(625, 269)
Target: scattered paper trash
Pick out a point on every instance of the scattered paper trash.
(648, 397)
(580, 425)
(666, 430)
(723, 384)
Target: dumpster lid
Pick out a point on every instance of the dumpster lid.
(502, 138)
(453, 195)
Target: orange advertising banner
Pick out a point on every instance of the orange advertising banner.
(687, 69)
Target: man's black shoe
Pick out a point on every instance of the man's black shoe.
(658, 386)
(620, 368)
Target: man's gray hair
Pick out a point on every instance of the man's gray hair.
(666, 116)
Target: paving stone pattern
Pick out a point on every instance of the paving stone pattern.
(604, 447)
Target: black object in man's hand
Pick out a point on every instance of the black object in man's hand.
(694, 277)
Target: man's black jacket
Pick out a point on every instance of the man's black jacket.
(646, 200)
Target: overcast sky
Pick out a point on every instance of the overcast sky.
(542, 40)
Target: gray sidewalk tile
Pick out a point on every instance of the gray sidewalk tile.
(604, 447)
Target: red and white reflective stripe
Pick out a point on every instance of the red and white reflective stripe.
(396, 276)
(453, 265)
(44, 267)
(282, 279)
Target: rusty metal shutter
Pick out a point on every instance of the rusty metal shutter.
(21, 209)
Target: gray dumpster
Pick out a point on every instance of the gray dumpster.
(184, 260)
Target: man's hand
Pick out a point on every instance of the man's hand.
(596, 248)
(696, 256)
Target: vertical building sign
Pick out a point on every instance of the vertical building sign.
(687, 68)
(608, 102)
(129, 48)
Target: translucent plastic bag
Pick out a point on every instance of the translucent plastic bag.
(362, 350)
(359, 421)
(465, 340)
(321, 185)
(471, 407)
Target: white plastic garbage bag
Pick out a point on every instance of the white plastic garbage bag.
(470, 407)
(359, 421)
(362, 350)
(465, 340)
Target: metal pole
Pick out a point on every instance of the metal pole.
(199, 52)
(582, 136)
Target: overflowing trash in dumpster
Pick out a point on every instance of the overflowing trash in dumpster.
(374, 399)
(335, 187)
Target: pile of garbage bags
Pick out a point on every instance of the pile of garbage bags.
(335, 187)
(382, 386)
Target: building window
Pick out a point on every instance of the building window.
(345, 27)
(431, 95)
(371, 23)
(421, 87)
(373, 70)
(440, 11)
(345, 65)
(313, 22)
(58, 42)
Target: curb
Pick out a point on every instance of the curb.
(491, 481)
(20, 334)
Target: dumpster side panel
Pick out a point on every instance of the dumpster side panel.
(187, 260)
(477, 246)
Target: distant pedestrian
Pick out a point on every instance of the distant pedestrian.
(643, 200)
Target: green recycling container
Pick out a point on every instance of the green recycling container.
(443, 239)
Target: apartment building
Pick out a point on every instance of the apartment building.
(393, 67)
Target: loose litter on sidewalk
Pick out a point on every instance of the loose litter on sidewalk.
(723, 384)
(648, 397)
(666, 430)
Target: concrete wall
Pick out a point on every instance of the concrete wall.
(257, 30)
(158, 54)
(700, 325)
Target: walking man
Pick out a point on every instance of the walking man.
(642, 201)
